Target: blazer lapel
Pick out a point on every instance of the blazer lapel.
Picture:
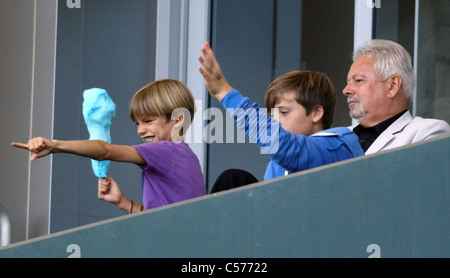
(389, 134)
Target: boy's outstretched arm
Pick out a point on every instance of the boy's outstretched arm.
(216, 82)
(40, 147)
(94, 149)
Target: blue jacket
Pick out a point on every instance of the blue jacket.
(287, 151)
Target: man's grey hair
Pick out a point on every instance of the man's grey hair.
(390, 58)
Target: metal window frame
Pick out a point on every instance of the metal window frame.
(182, 29)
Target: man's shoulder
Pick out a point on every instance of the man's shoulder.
(429, 121)
(419, 129)
(419, 123)
(413, 124)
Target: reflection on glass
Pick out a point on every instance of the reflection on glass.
(433, 60)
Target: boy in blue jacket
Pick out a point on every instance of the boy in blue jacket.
(302, 102)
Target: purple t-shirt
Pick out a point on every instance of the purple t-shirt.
(172, 173)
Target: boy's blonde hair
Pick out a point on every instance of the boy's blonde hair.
(161, 98)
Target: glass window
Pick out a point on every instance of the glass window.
(397, 20)
(109, 45)
(433, 60)
(257, 41)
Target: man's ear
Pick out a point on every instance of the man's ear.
(393, 84)
(317, 114)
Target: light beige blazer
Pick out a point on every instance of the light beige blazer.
(407, 130)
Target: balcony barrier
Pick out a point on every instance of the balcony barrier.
(391, 204)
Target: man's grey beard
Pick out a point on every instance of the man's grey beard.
(357, 113)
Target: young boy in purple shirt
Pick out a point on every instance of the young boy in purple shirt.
(171, 171)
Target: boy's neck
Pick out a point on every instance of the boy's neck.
(318, 127)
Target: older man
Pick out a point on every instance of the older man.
(380, 86)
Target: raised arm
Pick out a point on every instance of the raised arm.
(216, 82)
(94, 149)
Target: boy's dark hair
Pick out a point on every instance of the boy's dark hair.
(311, 89)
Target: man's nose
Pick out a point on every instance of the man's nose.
(347, 91)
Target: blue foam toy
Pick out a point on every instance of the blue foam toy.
(98, 110)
